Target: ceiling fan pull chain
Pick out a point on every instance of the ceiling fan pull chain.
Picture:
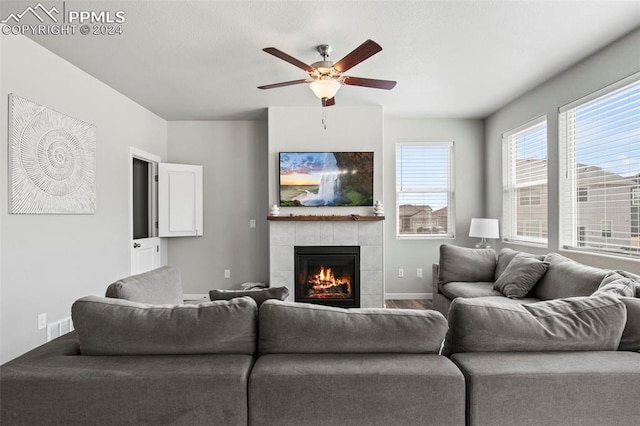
(324, 117)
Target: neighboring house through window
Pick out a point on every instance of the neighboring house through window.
(424, 189)
(525, 183)
(600, 150)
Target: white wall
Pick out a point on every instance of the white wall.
(48, 261)
(411, 254)
(605, 67)
(348, 129)
(234, 156)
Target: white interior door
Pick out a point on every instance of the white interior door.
(145, 247)
(145, 255)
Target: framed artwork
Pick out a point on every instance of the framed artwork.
(52, 161)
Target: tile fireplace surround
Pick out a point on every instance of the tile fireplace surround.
(286, 232)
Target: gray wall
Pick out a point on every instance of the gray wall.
(48, 261)
(234, 156)
(411, 254)
(605, 67)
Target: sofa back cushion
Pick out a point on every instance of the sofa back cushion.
(289, 327)
(257, 294)
(573, 324)
(617, 285)
(466, 264)
(158, 287)
(568, 278)
(506, 255)
(107, 326)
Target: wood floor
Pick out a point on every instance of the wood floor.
(409, 304)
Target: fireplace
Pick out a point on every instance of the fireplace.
(327, 275)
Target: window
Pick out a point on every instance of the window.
(525, 183)
(605, 228)
(529, 196)
(424, 189)
(583, 195)
(600, 150)
(635, 196)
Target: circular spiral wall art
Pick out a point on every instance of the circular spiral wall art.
(52, 161)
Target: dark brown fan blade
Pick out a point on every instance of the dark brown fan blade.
(357, 55)
(369, 82)
(284, 83)
(327, 102)
(293, 61)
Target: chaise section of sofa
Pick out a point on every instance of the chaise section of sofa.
(328, 366)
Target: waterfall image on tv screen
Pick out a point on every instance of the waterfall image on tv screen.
(316, 179)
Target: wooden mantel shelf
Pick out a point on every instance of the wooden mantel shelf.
(312, 218)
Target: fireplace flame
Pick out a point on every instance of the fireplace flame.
(326, 282)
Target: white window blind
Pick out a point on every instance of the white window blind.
(600, 148)
(525, 183)
(424, 189)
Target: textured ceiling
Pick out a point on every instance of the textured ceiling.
(197, 60)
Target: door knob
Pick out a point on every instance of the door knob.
(136, 245)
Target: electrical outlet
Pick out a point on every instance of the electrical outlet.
(227, 273)
(42, 321)
(419, 272)
(400, 273)
(252, 223)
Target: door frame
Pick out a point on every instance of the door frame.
(150, 158)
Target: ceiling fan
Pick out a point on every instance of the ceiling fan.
(325, 77)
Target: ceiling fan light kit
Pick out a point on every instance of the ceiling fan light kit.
(324, 89)
(325, 77)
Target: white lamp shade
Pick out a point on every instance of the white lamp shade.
(324, 88)
(484, 228)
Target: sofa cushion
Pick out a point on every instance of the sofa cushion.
(634, 277)
(119, 327)
(506, 255)
(519, 277)
(258, 294)
(568, 278)
(617, 285)
(630, 340)
(289, 327)
(158, 287)
(466, 289)
(122, 390)
(466, 264)
(573, 324)
(547, 388)
(356, 389)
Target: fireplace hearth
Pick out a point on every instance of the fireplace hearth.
(327, 275)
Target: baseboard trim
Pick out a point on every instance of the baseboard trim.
(405, 296)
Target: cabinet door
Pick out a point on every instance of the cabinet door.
(179, 200)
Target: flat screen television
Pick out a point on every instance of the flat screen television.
(319, 179)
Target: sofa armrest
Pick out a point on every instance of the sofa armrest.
(436, 279)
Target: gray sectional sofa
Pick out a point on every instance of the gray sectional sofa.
(565, 352)
(229, 362)
(472, 273)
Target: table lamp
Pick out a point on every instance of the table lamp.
(484, 228)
